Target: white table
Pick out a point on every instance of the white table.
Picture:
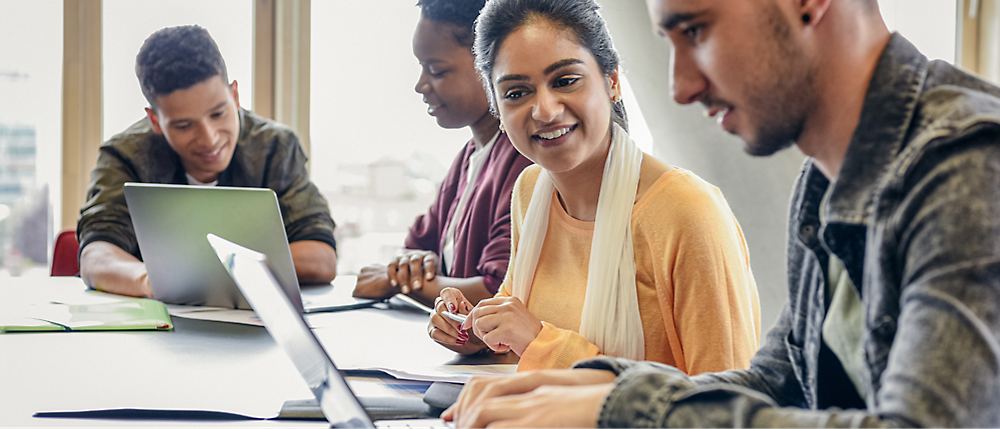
(200, 365)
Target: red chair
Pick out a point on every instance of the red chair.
(65, 259)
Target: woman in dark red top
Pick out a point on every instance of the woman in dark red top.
(464, 239)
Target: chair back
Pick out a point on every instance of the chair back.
(65, 258)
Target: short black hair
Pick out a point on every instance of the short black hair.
(461, 14)
(175, 58)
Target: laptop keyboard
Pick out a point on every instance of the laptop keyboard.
(414, 423)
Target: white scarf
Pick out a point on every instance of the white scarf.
(610, 316)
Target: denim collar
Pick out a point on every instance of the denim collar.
(888, 110)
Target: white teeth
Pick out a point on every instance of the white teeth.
(554, 134)
(720, 115)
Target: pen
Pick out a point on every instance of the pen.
(455, 316)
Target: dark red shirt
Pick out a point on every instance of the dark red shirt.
(482, 236)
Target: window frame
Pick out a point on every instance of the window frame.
(280, 84)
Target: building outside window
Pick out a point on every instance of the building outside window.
(30, 133)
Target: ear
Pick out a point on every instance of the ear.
(236, 93)
(812, 11)
(614, 85)
(154, 121)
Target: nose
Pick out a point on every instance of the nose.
(688, 84)
(423, 84)
(207, 134)
(547, 107)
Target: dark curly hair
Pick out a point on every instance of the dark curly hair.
(175, 58)
(460, 13)
(499, 18)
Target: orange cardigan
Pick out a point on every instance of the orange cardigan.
(697, 297)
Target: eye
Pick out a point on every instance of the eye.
(513, 94)
(218, 114)
(180, 127)
(437, 74)
(693, 33)
(565, 81)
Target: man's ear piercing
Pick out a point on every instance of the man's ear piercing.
(806, 18)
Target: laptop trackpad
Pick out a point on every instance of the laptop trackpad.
(441, 395)
(379, 408)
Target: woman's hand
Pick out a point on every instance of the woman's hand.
(495, 399)
(373, 282)
(504, 324)
(411, 268)
(448, 332)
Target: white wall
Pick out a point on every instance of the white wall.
(928, 24)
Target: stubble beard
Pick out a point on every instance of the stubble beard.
(779, 104)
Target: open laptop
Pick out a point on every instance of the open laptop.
(171, 222)
(254, 275)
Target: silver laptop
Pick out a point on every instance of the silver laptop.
(171, 222)
(254, 274)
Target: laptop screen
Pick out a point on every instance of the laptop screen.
(170, 225)
(252, 273)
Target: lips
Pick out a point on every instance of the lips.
(431, 107)
(211, 156)
(554, 136)
(723, 116)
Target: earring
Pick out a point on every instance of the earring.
(806, 18)
(616, 98)
(502, 130)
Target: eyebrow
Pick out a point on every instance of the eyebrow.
(555, 66)
(674, 19)
(218, 106)
(210, 111)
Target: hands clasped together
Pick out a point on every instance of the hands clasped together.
(501, 324)
(409, 271)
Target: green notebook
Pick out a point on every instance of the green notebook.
(128, 315)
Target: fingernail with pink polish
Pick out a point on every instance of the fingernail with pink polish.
(451, 307)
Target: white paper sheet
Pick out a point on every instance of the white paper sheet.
(446, 373)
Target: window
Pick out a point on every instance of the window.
(127, 23)
(368, 123)
(376, 154)
(31, 38)
(979, 27)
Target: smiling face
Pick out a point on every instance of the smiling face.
(740, 59)
(448, 80)
(553, 99)
(201, 124)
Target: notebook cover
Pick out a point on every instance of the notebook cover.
(127, 315)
